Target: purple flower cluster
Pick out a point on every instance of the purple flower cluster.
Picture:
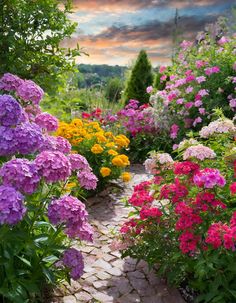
(53, 166)
(29, 91)
(47, 121)
(79, 162)
(208, 178)
(10, 82)
(73, 259)
(7, 141)
(12, 209)
(52, 143)
(70, 211)
(87, 179)
(10, 111)
(28, 137)
(21, 174)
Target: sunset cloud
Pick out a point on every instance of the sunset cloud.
(114, 31)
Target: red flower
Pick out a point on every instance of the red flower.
(85, 115)
(185, 168)
(233, 188)
(188, 242)
(152, 212)
(175, 191)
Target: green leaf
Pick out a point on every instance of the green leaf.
(27, 262)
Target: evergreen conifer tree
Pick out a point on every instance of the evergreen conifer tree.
(141, 77)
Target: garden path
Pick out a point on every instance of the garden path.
(108, 278)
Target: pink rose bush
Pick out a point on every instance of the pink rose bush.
(184, 217)
(39, 217)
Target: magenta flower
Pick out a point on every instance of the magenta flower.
(87, 179)
(47, 121)
(208, 178)
(78, 162)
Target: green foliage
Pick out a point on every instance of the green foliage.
(141, 77)
(113, 89)
(157, 82)
(30, 34)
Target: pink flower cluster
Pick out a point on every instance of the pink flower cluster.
(208, 178)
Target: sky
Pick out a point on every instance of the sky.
(114, 31)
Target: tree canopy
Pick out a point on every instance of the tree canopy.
(30, 36)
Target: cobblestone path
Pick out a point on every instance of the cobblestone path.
(108, 278)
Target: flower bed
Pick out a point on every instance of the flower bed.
(184, 218)
(39, 219)
(103, 149)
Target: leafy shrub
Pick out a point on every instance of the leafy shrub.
(184, 218)
(38, 217)
(201, 79)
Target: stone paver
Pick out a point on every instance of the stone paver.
(107, 278)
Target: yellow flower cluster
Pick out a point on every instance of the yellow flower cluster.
(91, 140)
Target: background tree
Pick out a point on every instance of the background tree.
(30, 36)
(113, 89)
(141, 77)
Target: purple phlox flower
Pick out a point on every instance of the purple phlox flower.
(7, 141)
(208, 178)
(73, 259)
(53, 166)
(21, 174)
(87, 179)
(30, 91)
(47, 121)
(12, 209)
(10, 111)
(28, 137)
(10, 82)
(79, 162)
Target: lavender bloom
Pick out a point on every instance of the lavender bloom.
(87, 179)
(7, 141)
(199, 152)
(10, 111)
(47, 121)
(53, 166)
(10, 82)
(12, 209)
(21, 174)
(73, 259)
(29, 91)
(28, 138)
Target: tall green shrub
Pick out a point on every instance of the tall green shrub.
(141, 77)
(113, 89)
(30, 36)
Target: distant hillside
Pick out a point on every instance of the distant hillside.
(98, 75)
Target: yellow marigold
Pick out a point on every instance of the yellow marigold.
(73, 152)
(97, 149)
(117, 161)
(105, 171)
(112, 152)
(126, 177)
(125, 159)
(122, 141)
(101, 138)
(77, 122)
(109, 134)
(110, 144)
